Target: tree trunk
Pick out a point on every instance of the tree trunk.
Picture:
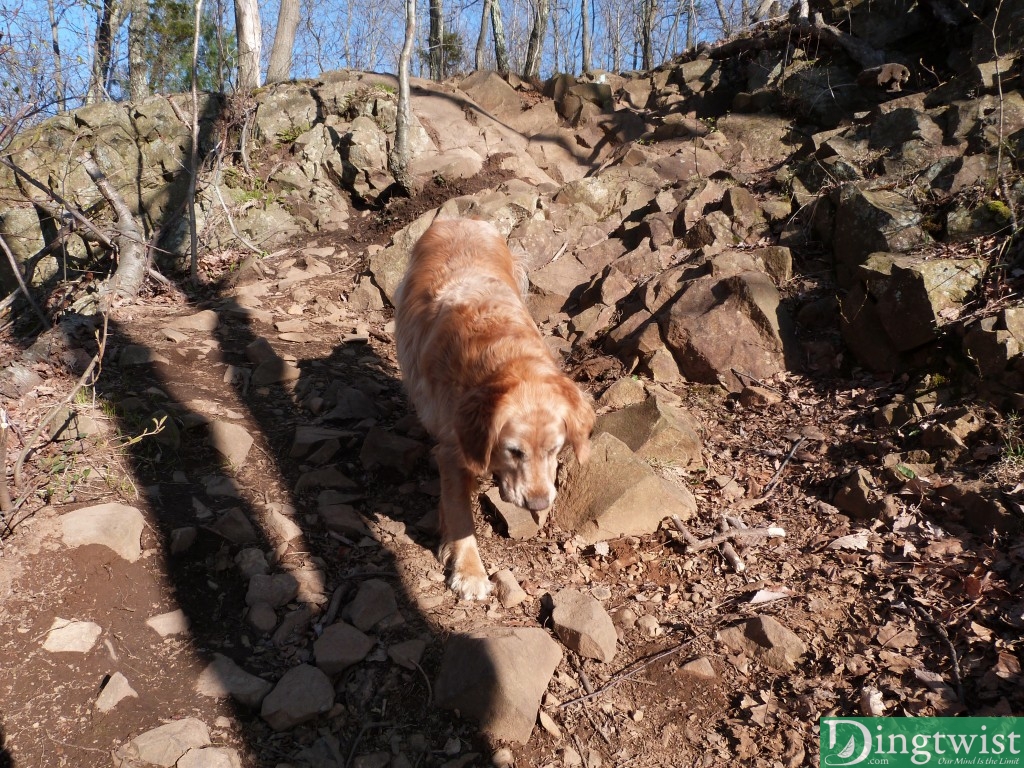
(535, 46)
(247, 27)
(138, 68)
(106, 28)
(691, 25)
(585, 34)
(500, 46)
(723, 15)
(649, 10)
(58, 69)
(398, 160)
(435, 41)
(481, 41)
(280, 67)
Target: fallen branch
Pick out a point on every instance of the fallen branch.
(778, 473)
(16, 269)
(954, 659)
(5, 495)
(739, 535)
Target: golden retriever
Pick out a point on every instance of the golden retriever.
(483, 383)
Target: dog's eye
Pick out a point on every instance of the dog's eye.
(516, 453)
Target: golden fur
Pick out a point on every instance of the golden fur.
(483, 383)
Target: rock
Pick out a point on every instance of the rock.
(519, 522)
(766, 640)
(279, 521)
(166, 744)
(615, 494)
(343, 519)
(274, 371)
(205, 320)
(308, 436)
(222, 678)
(857, 497)
(759, 397)
(654, 430)
(276, 591)
(210, 757)
(583, 625)
(324, 477)
(649, 625)
(508, 591)
(234, 525)
(251, 561)
(374, 601)
(409, 653)
(303, 693)
(497, 677)
(116, 690)
(623, 392)
(183, 538)
(700, 667)
(66, 636)
(262, 617)
(231, 441)
(339, 647)
(382, 448)
(115, 526)
(137, 354)
(170, 623)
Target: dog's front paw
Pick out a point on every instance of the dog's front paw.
(470, 586)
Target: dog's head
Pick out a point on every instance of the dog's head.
(515, 430)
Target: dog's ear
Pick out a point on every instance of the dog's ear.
(476, 425)
(579, 418)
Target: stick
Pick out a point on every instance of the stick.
(5, 495)
(16, 269)
(778, 473)
(944, 635)
(693, 544)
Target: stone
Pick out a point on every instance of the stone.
(654, 430)
(699, 667)
(623, 392)
(324, 477)
(583, 625)
(303, 693)
(616, 494)
(497, 678)
(309, 436)
(759, 397)
(165, 745)
(279, 521)
(115, 526)
(277, 590)
(856, 496)
(251, 561)
(232, 441)
(382, 448)
(67, 636)
(183, 538)
(507, 589)
(765, 639)
(235, 526)
(343, 519)
(206, 320)
(262, 617)
(519, 522)
(408, 654)
(116, 690)
(210, 757)
(374, 601)
(340, 646)
(274, 371)
(170, 623)
(223, 678)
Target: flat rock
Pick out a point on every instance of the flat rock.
(210, 757)
(222, 678)
(519, 522)
(582, 623)
(303, 693)
(497, 678)
(114, 692)
(340, 646)
(343, 519)
(324, 477)
(699, 667)
(205, 320)
(66, 636)
(408, 654)
(262, 617)
(374, 601)
(509, 592)
(382, 448)
(623, 392)
(166, 744)
(280, 521)
(654, 430)
(170, 623)
(616, 494)
(115, 526)
(251, 561)
(235, 526)
(232, 441)
(308, 436)
(277, 590)
(765, 639)
(274, 371)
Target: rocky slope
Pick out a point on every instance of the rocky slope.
(782, 266)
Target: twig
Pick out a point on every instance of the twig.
(693, 544)
(639, 666)
(359, 737)
(755, 380)
(16, 269)
(944, 635)
(227, 213)
(778, 473)
(82, 381)
(5, 495)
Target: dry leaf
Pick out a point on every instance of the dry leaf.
(891, 635)
(857, 540)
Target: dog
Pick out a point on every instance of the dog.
(483, 383)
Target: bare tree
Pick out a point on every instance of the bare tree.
(435, 41)
(481, 41)
(535, 46)
(108, 21)
(500, 46)
(58, 68)
(648, 12)
(138, 68)
(587, 43)
(247, 27)
(280, 67)
(398, 160)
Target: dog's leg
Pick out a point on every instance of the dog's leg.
(459, 552)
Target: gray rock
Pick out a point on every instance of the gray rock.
(374, 601)
(183, 538)
(303, 693)
(222, 678)
(655, 430)
(582, 623)
(343, 519)
(340, 646)
(509, 593)
(519, 522)
(274, 371)
(765, 639)
(205, 320)
(166, 744)
(262, 617)
(170, 623)
(235, 526)
(308, 436)
(699, 667)
(232, 441)
(277, 590)
(497, 677)
(115, 526)
(251, 561)
(407, 654)
(114, 692)
(66, 636)
(615, 494)
(382, 448)
(210, 757)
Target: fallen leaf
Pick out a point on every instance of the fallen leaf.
(890, 635)
(851, 541)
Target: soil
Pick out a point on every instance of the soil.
(923, 607)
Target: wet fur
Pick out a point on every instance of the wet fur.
(483, 383)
